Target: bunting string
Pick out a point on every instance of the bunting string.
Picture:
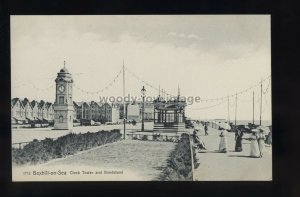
(101, 90)
(266, 91)
(146, 83)
(240, 92)
(209, 107)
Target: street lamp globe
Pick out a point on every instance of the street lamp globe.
(143, 91)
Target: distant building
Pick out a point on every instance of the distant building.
(77, 113)
(121, 109)
(42, 111)
(31, 112)
(133, 112)
(148, 110)
(115, 113)
(95, 111)
(49, 115)
(25, 111)
(35, 109)
(106, 112)
(17, 111)
(28, 110)
(86, 113)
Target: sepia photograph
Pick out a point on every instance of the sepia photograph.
(141, 98)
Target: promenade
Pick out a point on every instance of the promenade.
(145, 158)
(29, 134)
(230, 166)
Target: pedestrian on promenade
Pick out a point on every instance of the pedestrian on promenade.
(269, 138)
(205, 129)
(197, 141)
(238, 140)
(195, 135)
(254, 149)
(223, 141)
(261, 141)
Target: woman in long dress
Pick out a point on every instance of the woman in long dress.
(254, 149)
(269, 138)
(223, 142)
(238, 140)
(261, 141)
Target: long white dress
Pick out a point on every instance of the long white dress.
(261, 142)
(223, 142)
(254, 149)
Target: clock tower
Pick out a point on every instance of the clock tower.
(63, 105)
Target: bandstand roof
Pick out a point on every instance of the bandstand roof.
(170, 105)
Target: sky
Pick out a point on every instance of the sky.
(208, 56)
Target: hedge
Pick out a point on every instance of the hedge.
(179, 165)
(42, 151)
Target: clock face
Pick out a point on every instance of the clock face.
(61, 88)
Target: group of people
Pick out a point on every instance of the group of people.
(257, 145)
(257, 138)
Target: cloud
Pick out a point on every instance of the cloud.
(182, 35)
(193, 36)
(172, 34)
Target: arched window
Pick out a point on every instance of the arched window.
(61, 100)
(61, 119)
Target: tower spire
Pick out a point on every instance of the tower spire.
(64, 64)
(159, 90)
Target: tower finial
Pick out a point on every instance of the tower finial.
(64, 64)
(178, 91)
(159, 90)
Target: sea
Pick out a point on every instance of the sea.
(245, 122)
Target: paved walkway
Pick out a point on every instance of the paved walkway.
(28, 134)
(230, 166)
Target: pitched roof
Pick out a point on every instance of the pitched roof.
(48, 105)
(14, 101)
(41, 104)
(106, 104)
(34, 103)
(25, 101)
(87, 103)
(77, 104)
(96, 103)
(100, 104)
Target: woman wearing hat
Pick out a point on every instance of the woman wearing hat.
(238, 140)
(254, 149)
(261, 141)
(223, 141)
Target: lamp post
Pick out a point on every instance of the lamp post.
(143, 92)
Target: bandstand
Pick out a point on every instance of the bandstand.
(169, 116)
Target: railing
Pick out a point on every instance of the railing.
(21, 144)
(154, 137)
(192, 156)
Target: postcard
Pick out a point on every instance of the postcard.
(141, 98)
